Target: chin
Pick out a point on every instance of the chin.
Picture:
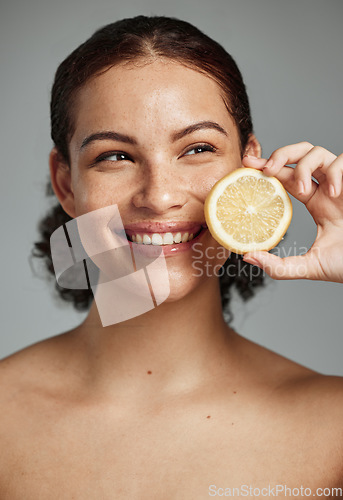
(181, 286)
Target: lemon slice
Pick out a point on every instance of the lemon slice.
(247, 211)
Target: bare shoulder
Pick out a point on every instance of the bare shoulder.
(304, 407)
(288, 374)
(35, 367)
(299, 390)
(315, 404)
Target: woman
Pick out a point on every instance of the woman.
(147, 115)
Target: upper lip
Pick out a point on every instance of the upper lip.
(165, 227)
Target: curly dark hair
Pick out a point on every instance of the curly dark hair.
(145, 37)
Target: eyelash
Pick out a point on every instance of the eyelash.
(104, 156)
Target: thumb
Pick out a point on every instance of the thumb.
(288, 268)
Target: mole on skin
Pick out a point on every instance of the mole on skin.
(149, 372)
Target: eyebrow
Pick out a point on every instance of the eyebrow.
(176, 136)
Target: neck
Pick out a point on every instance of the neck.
(173, 348)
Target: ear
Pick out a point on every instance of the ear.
(253, 147)
(60, 174)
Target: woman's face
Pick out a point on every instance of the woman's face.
(159, 169)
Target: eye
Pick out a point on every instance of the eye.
(114, 156)
(201, 148)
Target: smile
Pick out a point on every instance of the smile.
(162, 238)
(172, 237)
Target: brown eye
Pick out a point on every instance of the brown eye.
(201, 148)
(114, 156)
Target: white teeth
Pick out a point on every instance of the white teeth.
(168, 239)
(185, 238)
(177, 238)
(156, 239)
(162, 239)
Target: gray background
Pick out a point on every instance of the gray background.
(291, 56)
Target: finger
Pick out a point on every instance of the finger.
(287, 178)
(311, 161)
(334, 174)
(253, 162)
(315, 163)
(285, 175)
(286, 155)
(288, 268)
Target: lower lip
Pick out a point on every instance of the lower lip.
(168, 250)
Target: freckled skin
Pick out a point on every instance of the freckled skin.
(148, 102)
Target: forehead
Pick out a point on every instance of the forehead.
(160, 94)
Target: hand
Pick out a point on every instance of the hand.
(324, 201)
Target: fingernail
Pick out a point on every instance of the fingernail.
(332, 190)
(301, 188)
(269, 164)
(252, 158)
(249, 156)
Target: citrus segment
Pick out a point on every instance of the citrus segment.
(247, 211)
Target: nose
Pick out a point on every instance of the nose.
(160, 191)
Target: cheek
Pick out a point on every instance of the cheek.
(204, 183)
(94, 193)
